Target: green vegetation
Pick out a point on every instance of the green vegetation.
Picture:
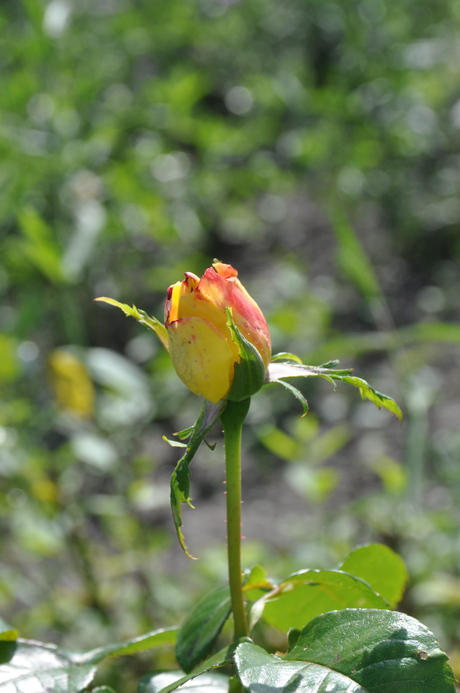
(314, 146)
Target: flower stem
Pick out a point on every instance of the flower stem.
(232, 419)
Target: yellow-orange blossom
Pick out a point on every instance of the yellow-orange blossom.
(202, 346)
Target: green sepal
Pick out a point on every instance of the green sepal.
(250, 372)
(185, 433)
(174, 443)
(180, 479)
(297, 394)
(182, 435)
(141, 316)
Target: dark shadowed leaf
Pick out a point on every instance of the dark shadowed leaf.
(201, 628)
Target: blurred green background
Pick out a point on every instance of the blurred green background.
(314, 145)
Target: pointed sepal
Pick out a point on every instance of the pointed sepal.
(250, 372)
(141, 316)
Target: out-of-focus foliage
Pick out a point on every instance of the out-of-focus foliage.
(314, 145)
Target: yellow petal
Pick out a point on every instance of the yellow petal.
(202, 357)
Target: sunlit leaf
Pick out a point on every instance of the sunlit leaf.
(381, 567)
(306, 594)
(260, 671)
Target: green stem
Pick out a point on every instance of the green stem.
(232, 419)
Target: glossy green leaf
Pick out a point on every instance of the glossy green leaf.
(180, 479)
(306, 594)
(381, 567)
(103, 689)
(157, 638)
(42, 668)
(351, 651)
(380, 650)
(201, 628)
(260, 671)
